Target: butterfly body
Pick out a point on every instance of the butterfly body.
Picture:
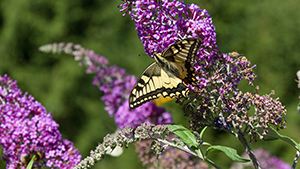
(165, 76)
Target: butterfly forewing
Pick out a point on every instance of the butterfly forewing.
(166, 79)
(181, 54)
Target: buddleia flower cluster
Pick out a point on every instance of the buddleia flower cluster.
(160, 23)
(220, 104)
(216, 100)
(26, 129)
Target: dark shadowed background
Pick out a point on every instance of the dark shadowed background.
(266, 32)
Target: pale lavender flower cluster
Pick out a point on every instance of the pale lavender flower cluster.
(123, 138)
(26, 128)
(116, 85)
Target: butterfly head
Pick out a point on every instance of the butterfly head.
(160, 60)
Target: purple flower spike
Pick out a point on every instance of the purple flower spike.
(26, 128)
(161, 23)
(116, 86)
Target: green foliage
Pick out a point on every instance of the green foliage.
(265, 31)
(30, 164)
(230, 152)
(185, 134)
(191, 141)
(273, 135)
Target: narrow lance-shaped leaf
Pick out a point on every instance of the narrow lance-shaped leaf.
(230, 152)
(273, 134)
(30, 164)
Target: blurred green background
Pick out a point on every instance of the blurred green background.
(267, 32)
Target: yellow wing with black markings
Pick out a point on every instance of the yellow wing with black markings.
(165, 76)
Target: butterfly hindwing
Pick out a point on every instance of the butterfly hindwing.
(153, 83)
(165, 76)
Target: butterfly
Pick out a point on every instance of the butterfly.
(166, 75)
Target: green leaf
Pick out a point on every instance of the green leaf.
(29, 166)
(202, 131)
(230, 152)
(273, 134)
(206, 144)
(185, 134)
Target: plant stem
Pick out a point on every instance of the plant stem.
(243, 140)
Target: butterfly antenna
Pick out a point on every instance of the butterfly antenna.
(143, 55)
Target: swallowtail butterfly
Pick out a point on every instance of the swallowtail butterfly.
(166, 75)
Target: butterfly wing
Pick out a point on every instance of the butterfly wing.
(165, 77)
(181, 56)
(153, 83)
